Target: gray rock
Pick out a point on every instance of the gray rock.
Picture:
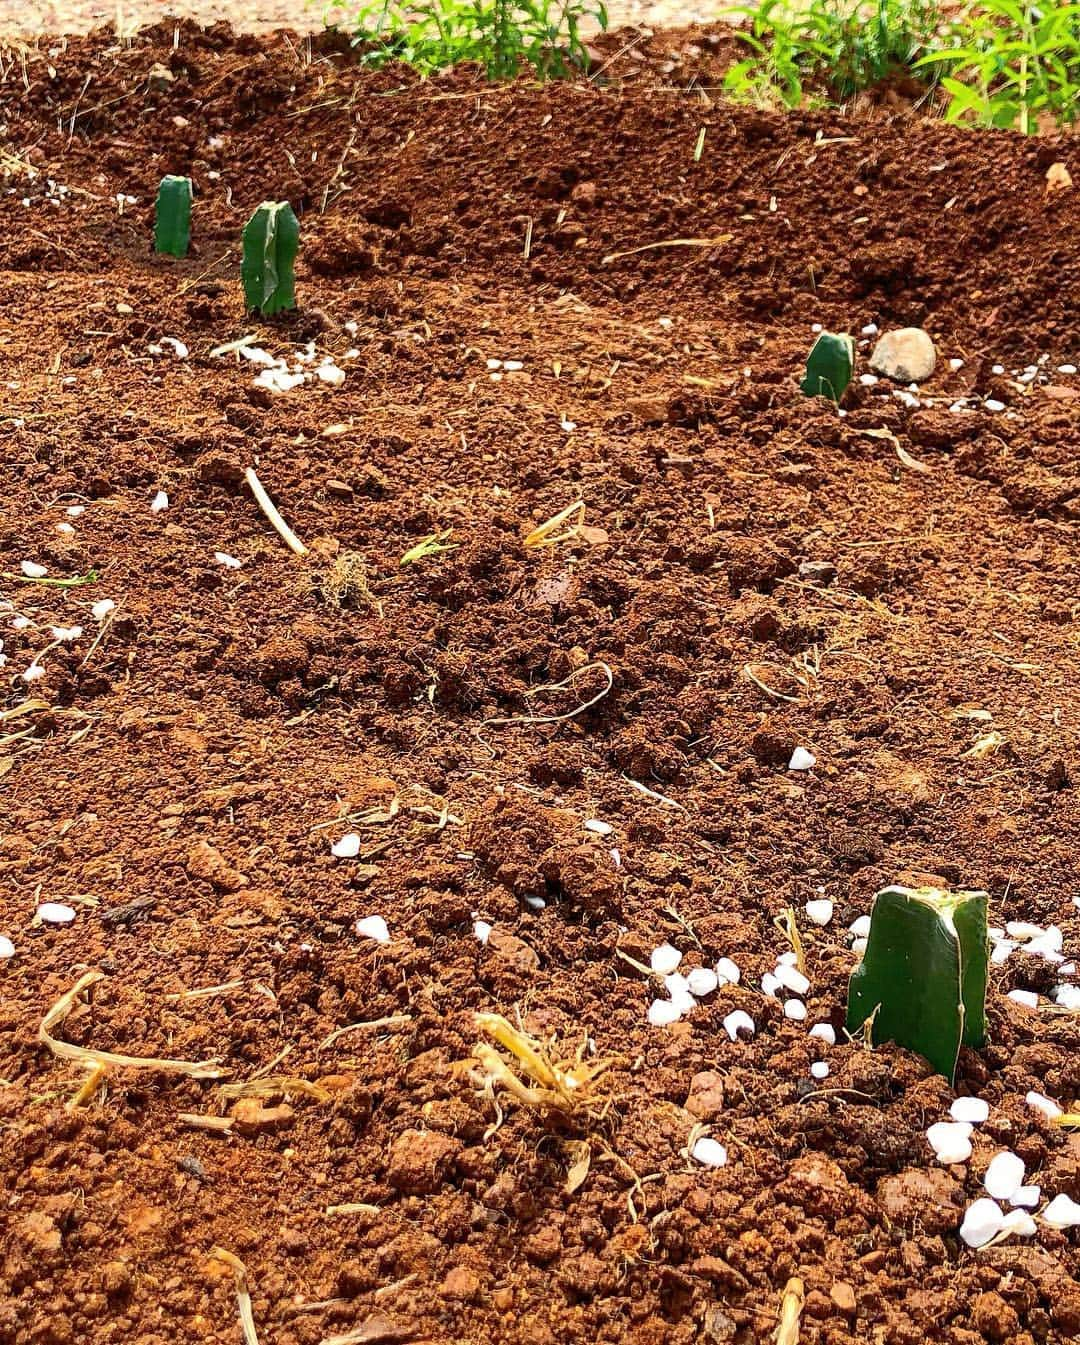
(817, 571)
(905, 356)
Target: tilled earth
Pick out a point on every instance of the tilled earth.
(893, 588)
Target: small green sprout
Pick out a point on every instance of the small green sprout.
(922, 980)
(829, 366)
(76, 581)
(433, 545)
(271, 241)
(172, 217)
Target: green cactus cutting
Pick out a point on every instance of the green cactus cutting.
(829, 366)
(172, 217)
(271, 240)
(922, 979)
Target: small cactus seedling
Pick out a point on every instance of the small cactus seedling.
(829, 366)
(922, 980)
(271, 240)
(172, 217)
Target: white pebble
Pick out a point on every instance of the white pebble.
(599, 828)
(159, 503)
(1027, 1197)
(513, 366)
(816, 327)
(33, 570)
(1062, 1212)
(34, 673)
(20, 622)
(1041, 1103)
(1001, 951)
(331, 374)
(860, 927)
(75, 510)
(1005, 1175)
(7, 948)
(702, 981)
(662, 1013)
(1023, 929)
(346, 848)
(54, 913)
(493, 364)
(727, 972)
(679, 990)
(795, 1009)
(1066, 368)
(1068, 996)
(997, 368)
(992, 404)
(858, 946)
(819, 1069)
(535, 903)
(871, 329)
(972, 1109)
(738, 1021)
(791, 978)
(770, 984)
(101, 610)
(482, 930)
(868, 380)
(819, 912)
(982, 1221)
(373, 927)
(65, 634)
(1028, 998)
(802, 760)
(825, 1032)
(1019, 1222)
(65, 528)
(710, 1152)
(788, 959)
(223, 558)
(950, 1141)
(664, 959)
(955, 364)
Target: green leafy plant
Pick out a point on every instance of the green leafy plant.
(829, 366)
(922, 979)
(501, 35)
(172, 217)
(1011, 65)
(271, 241)
(828, 50)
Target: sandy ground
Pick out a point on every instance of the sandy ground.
(22, 19)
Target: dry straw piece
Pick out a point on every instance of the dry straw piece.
(90, 1058)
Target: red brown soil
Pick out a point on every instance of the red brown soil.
(191, 761)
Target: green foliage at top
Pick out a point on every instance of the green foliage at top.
(828, 50)
(922, 980)
(1003, 63)
(503, 36)
(1011, 65)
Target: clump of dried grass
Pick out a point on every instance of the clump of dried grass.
(344, 583)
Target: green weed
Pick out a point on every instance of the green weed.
(503, 36)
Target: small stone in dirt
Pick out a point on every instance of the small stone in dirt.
(40, 1232)
(55, 913)
(919, 1197)
(1062, 1212)
(709, 1152)
(1041, 1103)
(251, 1118)
(1005, 1175)
(802, 760)
(1026, 1197)
(340, 489)
(825, 1032)
(347, 847)
(727, 972)
(819, 1070)
(794, 1009)
(373, 927)
(791, 978)
(662, 1013)
(664, 959)
(843, 1297)
(860, 927)
(702, 981)
(992, 404)
(481, 931)
(598, 828)
(821, 572)
(950, 1141)
(738, 1021)
(1019, 1222)
(819, 912)
(905, 356)
(7, 948)
(1028, 998)
(706, 1097)
(160, 78)
(982, 1221)
(124, 310)
(461, 1283)
(207, 863)
(975, 1110)
(32, 569)
(419, 1160)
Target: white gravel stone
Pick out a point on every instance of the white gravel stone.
(738, 1021)
(824, 1032)
(1068, 996)
(770, 984)
(819, 1070)
(1020, 1223)
(55, 913)
(791, 978)
(1026, 1197)
(373, 927)
(1062, 1212)
(860, 927)
(481, 930)
(159, 503)
(795, 1009)
(728, 972)
(7, 948)
(711, 1153)
(662, 1013)
(802, 760)
(32, 569)
(1005, 1175)
(599, 828)
(950, 1141)
(678, 989)
(664, 959)
(819, 911)
(982, 1221)
(905, 356)
(1041, 1103)
(348, 847)
(101, 610)
(1028, 998)
(971, 1109)
(992, 404)
(702, 981)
